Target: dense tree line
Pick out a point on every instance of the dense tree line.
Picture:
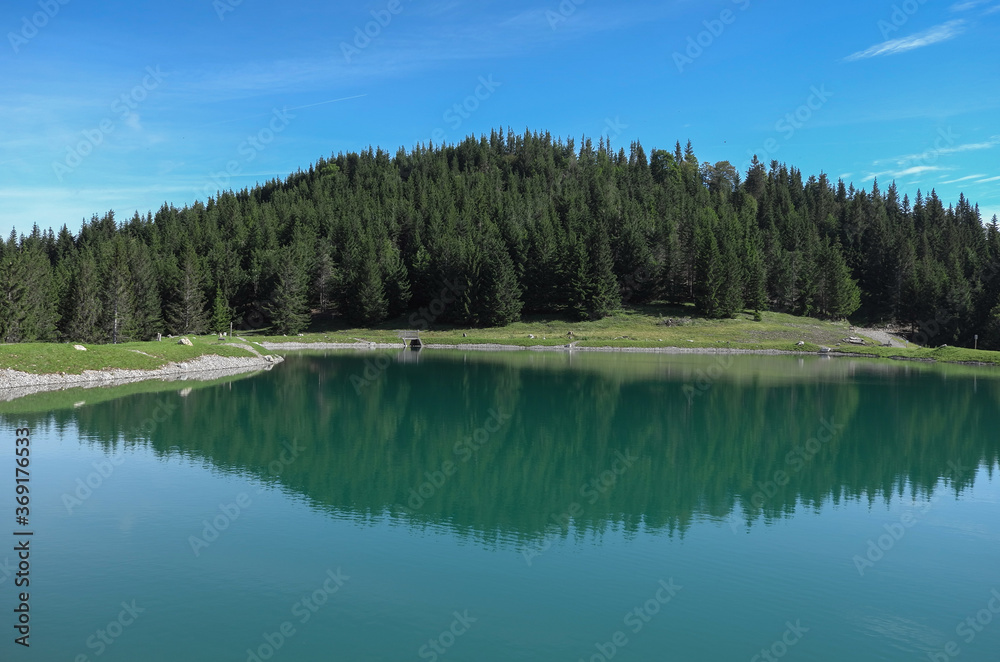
(482, 232)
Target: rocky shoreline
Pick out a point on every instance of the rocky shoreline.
(15, 384)
(496, 347)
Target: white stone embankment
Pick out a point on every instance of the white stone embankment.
(15, 384)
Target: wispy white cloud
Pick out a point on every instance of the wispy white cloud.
(962, 179)
(939, 151)
(972, 4)
(425, 44)
(967, 5)
(906, 172)
(916, 170)
(990, 179)
(934, 35)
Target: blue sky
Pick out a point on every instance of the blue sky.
(127, 105)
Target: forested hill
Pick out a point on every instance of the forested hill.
(505, 225)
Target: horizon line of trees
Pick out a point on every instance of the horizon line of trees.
(509, 224)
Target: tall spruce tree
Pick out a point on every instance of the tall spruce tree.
(186, 313)
(147, 311)
(605, 295)
(709, 275)
(288, 305)
(117, 300)
(501, 296)
(221, 315)
(837, 294)
(28, 310)
(325, 279)
(85, 292)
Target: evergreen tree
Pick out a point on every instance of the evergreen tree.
(838, 295)
(499, 291)
(395, 278)
(147, 309)
(85, 291)
(709, 275)
(365, 300)
(542, 270)
(187, 312)
(370, 306)
(579, 278)
(755, 285)
(117, 301)
(605, 295)
(289, 304)
(221, 315)
(733, 277)
(325, 280)
(28, 310)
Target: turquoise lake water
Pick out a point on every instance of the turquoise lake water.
(515, 506)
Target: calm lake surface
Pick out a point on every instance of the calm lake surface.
(517, 506)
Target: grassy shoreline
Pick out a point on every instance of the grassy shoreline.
(643, 329)
(62, 358)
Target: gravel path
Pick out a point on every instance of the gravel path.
(15, 384)
(881, 337)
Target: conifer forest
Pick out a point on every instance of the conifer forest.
(510, 225)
